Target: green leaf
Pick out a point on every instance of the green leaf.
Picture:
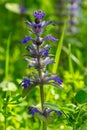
(56, 107)
(67, 109)
(16, 98)
(7, 57)
(50, 105)
(27, 90)
(41, 117)
(81, 97)
(59, 48)
(70, 60)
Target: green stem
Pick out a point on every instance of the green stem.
(42, 102)
(5, 118)
(41, 87)
(6, 77)
(74, 128)
(5, 111)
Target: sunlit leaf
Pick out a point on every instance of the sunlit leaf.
(66, 109)
(14, 7)
(8, 86)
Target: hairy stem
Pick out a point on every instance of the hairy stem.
(42, 96)
(40, 76)
(41, 87)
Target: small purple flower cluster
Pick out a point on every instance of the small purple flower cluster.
(61, 14)
(22, 9)
(38, 56)
(74, 10)
(46, 112)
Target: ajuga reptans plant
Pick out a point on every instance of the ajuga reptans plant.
(38, 58)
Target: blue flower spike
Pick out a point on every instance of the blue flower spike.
(38, 58)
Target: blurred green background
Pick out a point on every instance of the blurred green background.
(72, 64)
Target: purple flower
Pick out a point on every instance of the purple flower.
(39, 14)
(27, 38)
(22, 9)
(56, 79)
(47, 23)
(48, 111)
(73, 22)
(58, 112)
(31, 61)
(74, 7)
(25, 83)
(42, 24)
(33, 110)
(32, 51)
(49, 37)
(38, 28)
(47, 61)
(44, 52)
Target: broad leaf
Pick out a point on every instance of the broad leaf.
(81, 97)
(50, 105)
(56, 107)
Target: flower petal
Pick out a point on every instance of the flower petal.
(44, 52)
(48, 111)
(39, 14)
(25, 83)
(56, 79)
(47, 23)
(49, 37)
(27, 38)
(33, 110)
(48, 61)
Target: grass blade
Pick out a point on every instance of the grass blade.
(58, 52)
(7, 57)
